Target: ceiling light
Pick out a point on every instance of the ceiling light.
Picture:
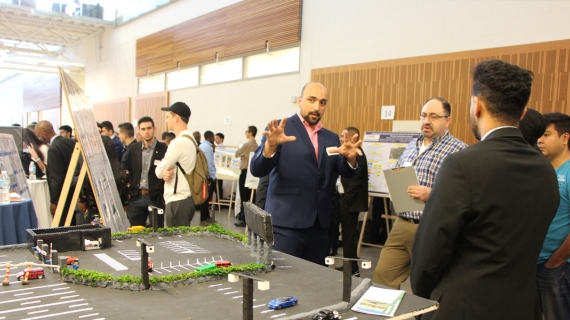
(52, 61)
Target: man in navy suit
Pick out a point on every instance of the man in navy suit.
(302, 158)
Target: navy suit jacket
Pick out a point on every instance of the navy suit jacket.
(300, 186)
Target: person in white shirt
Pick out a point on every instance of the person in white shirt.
(182, 150)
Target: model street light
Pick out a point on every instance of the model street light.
(347, 273)
(248, 291)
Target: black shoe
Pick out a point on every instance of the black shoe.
(333, 252)
(240, 224)
(355, 272)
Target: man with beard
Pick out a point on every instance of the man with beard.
(140, 161)
(303, 158)
(483, 227)
(425, 153)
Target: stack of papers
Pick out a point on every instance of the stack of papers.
(378, 301)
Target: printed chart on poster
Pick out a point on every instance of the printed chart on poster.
(383, 149)
(102, 179)
(10, 158)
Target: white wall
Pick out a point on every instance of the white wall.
(251, 102)
(334, 32)
(11, 100)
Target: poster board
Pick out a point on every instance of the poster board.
(251, 181)
(225, 158)
(383, 149)
(10, 158)
(94, 155)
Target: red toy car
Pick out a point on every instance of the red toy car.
(223, 264)
(150, 265)
(71, 259)
(35, 273)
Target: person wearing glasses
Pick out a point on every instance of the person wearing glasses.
(425, 153)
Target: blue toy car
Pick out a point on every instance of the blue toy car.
(283, 302)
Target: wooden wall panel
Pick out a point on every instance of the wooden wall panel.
(238, 29)
(149, 105)
(154, 52)
(357, 92)
(116, 111)
(42, 93)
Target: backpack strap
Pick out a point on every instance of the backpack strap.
(178, 163)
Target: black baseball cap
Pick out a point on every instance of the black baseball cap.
(180, 108)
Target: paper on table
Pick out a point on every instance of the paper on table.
(379, 301)
(398, 180)
(15, 197)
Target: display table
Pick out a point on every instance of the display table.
(40, 197)
(15, 218)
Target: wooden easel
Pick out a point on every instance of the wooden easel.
(386, 216)
(75, 156)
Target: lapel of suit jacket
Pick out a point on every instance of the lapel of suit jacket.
(321, 138)
(302, 132)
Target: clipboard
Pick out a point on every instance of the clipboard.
(398, 180)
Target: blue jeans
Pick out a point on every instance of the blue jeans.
(554, 291)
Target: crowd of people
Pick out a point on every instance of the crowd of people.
(493, 240)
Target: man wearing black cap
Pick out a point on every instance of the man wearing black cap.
(182, 150)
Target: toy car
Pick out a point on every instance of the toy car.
(283, 302)
(223, 264)
(327, 315)
(135, 228)
(35, 273)
(206, 267)
(70, 260)
(150, 264)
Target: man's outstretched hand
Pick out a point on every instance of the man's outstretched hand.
(275, 136)
(349, 148)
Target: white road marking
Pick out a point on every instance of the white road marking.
(22, 294)
(231, 292)
(31, 302)
(60, 289)
(69, 297)
(266, 311)
(111, 262)
(278, 315)
(259, 305)
(353, 318)
(133, 255)
(237, 297)
(51, 285)
(78, 305)
(40, 311)
(39, 306)
(45, 295)
(222, 289)
(284, 267)
(58, 314)
(214, 285)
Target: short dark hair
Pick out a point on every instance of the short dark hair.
(560, 121)
(170, 135)
(127, 128)
(66, 128)
(107, 125)
(505, 88)
(444, 103)
(164, 134)
(208, 134)
(353, 129)
(145, 119)
(253, 130)
(221, 135)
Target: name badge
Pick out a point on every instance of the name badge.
(407, 164)
(156, 162)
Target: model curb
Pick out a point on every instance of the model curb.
(70, 278)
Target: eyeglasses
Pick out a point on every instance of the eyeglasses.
(431, 116)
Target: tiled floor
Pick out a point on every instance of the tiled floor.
(370, 253)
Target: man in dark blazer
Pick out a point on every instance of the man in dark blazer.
(302, 158)
(140, 162)
(353, 201)
(478, 241)
(60, 151)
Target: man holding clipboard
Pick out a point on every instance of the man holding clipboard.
(425, 153)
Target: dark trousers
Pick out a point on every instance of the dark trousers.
(554, 291)
(221, 188)
(137, 212)
(311, 244)
(244, 193)
(349, 223)
(205, 207)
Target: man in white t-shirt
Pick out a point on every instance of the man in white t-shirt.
(182, 150)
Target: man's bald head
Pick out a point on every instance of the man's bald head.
(44, 131)
(313, 83)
